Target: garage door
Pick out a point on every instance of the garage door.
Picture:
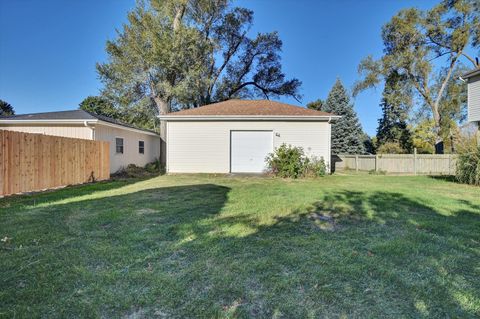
(249, 149)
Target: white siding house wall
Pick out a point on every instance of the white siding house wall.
(131, 153)
(204, 146)
(474, 99)
(74, 131)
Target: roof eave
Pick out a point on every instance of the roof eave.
(249, 117)
(76, 122)
(20, 121)
(470, 74)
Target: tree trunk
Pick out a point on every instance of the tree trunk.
(163, 108)
(439, 145)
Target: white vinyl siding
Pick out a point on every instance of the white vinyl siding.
(204, 146)
(131, 153)
(474, 99)
(73, 131)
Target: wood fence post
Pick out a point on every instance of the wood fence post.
(415, 161)
(356, 163)
(449, 164)
(376, 163)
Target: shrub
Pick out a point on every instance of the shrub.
(316, 167)
(390, 148)
(155, 167)
(468, 165)
(134, 171)
(289, 161)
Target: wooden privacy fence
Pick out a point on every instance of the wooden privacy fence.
(422, 164)
(33, 162)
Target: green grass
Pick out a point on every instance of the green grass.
(205, 246)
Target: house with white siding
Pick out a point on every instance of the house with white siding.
(473, 83)
(235, 136)
(128, 144)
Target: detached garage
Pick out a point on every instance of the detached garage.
(235, 136)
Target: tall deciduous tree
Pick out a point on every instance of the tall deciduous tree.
(186, 53)
(99, 105)
(416, 42)
(6, 109)
(316, 105)
(347, 134)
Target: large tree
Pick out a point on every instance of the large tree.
(392, 126)
(141, 115)
(425, 48)
(316, 105)
(99, 105)
(347, 134)
(186, 53)
(6, 109)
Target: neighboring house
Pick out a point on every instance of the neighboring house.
(128, 144)
(235, 136)
(473, 80)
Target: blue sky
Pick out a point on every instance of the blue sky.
(48, 49)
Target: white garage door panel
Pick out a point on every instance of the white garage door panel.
(249, 149)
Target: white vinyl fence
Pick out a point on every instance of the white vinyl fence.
(421, 164)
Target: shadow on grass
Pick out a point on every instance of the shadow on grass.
(182, 252)
(67, 192)
(446, 178)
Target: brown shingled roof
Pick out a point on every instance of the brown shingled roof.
(250, 108)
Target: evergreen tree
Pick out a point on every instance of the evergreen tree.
(6, 109)
(392, 127)
(347, 134)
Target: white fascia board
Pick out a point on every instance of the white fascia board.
(247, 118)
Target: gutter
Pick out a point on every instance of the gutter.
(79, 122)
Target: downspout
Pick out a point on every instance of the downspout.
(92, 128)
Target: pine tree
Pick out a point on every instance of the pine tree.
(347, 134)
(392, 127)
(6, 109)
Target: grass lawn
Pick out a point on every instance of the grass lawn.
(205, 246)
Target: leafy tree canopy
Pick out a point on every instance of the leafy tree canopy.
(316, 105)
(99, 105)
(140, 114)
(185, 53)
(6, 109)
(425, 48)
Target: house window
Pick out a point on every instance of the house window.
(119, 145)
(141, 147)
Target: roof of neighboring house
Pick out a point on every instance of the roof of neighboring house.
(471, 73)
(249, 108)
(71, 115)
